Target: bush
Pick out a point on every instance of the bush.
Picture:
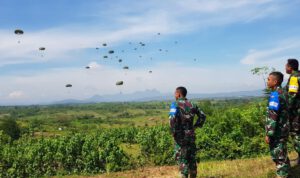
(10, 127)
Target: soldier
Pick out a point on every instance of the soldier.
(292, 88)
(277, 124)
(182, 125)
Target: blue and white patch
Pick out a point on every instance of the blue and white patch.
(173, 109)
(274, 101)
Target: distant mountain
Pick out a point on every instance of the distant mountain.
(154, 95)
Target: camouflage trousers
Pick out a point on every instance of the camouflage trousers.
(185, 155)
(295, 128)
(279, 154)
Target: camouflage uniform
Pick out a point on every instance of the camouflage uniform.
(292, 88)
(182, 125)
(277, 129)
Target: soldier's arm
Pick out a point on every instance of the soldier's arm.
(273, 116)
(201, 117)
(172, 117)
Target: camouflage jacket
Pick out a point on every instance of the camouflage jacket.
(277, 123)
(182, 113)
(293, 90)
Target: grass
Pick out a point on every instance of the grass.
(262, 167)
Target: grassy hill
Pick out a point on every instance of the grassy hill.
(262, 167)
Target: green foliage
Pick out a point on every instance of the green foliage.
(10, 127)
(234, 129)
(74, 154)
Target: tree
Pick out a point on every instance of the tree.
(262, 71)
(10, 127)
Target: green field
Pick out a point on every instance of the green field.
(93, 139)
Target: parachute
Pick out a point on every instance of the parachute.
(87, 67)
(104, 44)
(120, 60)
(158, 33)
(105, 56)
(111, 51)
(68, 85)
(150, 72)
(42, 48)
(125, 67)
(119, 83)
(19, 32)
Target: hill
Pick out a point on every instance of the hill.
(262, 167)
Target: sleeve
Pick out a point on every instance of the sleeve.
(172, 117)
(293, 89)
(201, 118)
(272, 118)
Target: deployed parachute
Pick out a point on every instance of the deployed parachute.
(119, 83)
(68, 85)
(105, 56)
(111, 51)
(19, 32)
(150, 72)
(125, 67)
(158, 33)
(104, 44)
(87, 67)
(120, 60)
(42, 49)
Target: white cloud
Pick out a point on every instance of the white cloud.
(281, 51)
(50, 85)
(16, 95)
(153, 16)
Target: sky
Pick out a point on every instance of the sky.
(207, 46)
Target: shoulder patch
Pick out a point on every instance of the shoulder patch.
(274, 101)
(173, 109)
(293, 85)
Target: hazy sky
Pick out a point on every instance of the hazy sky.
(227, 38)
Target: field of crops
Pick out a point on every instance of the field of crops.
(100, 138)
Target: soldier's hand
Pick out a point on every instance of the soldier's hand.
(267, 139)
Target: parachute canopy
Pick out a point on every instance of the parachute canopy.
(42, 48)
(105, 56)
(87, 67)
(111, 51)
(150, 71)
(104, 44)
(120, 60)
(119, 83)
(125, 67)
(19, 32)
(69, 85)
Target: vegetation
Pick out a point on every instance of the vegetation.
(108, 137)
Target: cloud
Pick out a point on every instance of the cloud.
(16, 95)
(50, 85)
(280, 51)
(140, 21)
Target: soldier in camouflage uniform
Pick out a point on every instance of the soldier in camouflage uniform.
(277, 124)
(293, 90)
(182, 125)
